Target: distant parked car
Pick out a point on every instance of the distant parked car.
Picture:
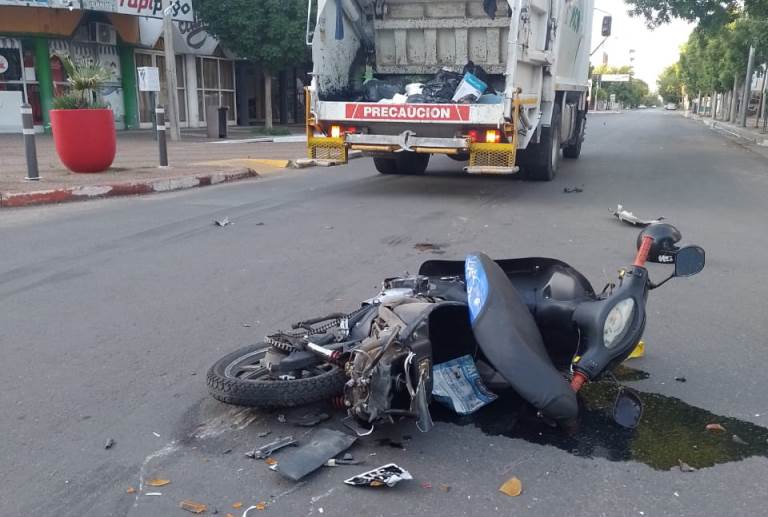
(671, 106)
(642, 107)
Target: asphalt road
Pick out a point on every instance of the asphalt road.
(112, 311)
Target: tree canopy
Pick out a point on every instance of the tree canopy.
(269, 32)
(670, 85)
(630, 93)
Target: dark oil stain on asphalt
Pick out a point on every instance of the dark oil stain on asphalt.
(669, 433)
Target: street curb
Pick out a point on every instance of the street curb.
(719, 125)
(87, 192)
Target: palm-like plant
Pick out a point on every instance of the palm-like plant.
(85, 80)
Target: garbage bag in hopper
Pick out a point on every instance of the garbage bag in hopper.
(376, 90)
(442, 86)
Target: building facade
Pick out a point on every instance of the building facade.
(121, 35)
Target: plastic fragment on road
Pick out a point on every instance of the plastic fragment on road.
(445, 488)
(628, 217)
(270, 461)
(737, 439)
(193, 507)
(457, 384)
(222, 222)
(387, 475)
(309, 419)
(158, 482)
(571, 190)
(110, 443)
(715, 428)
(512, 487)
(638, 352)
(258, 507)
(266, 451)
(130, 490)
(237, 505)
(323, 445)
(684, 467)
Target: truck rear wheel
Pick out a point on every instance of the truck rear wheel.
(405, 162)
(541, 161)
(573, 150)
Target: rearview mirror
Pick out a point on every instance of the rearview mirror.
(689, 261)
(607, 22)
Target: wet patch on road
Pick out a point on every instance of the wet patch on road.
(672, 434)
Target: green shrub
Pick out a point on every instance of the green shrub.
(85, 80)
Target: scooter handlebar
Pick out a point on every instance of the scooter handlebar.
(643, 252)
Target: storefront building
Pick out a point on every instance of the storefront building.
(35, 35)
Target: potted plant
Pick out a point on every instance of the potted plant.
(83, 125)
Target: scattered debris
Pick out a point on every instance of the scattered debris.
(158, 482)
(281, 418)
(571, 190)
(259, 224)
(684, 467)
(426, 485)
(222, 222)
(715, 427)
(247, 325)
(681, 379)
(512, 487)
(309, 420)
(445, 488)
(154, 493)
(324, 445)
(110, 443)
(427, 246)
(237, 505)
(157, 435)
(270, 461)
(676, 494)
(258, 506)
(639, 351)
(193, 507)
(130, 490)
(266, 451)
(227, 451)
(628, 217)
(737, 439)
(264, 434)
(386, 475)
(347, 459)
(329, 227)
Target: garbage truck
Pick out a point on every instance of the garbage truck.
(499, 84)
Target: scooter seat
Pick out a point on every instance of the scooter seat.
(508, 336)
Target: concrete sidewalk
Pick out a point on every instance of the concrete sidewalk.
(195, 161)
(750, 133)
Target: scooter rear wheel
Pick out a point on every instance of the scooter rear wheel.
(239, 378)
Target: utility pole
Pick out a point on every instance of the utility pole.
(747, 95)
(172, 106)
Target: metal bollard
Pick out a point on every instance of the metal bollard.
(30, 149)
(161, 138)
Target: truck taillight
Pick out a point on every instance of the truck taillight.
(335, 131)
(492, 136)
(472, 134)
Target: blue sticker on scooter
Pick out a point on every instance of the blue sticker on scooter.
(477, 286)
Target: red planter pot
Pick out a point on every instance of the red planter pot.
(85, 139)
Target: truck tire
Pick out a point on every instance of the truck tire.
(405, 162)
(573, 150)
(541, 161)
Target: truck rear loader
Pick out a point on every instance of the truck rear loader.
(531, 55)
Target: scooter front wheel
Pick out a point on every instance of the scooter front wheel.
(240, 378)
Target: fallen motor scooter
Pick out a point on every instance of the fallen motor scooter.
(534, 325)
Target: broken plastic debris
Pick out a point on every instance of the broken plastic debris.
(388, 475)
(445, 488)
(130, 490)
(639, 351)
(158, 482)
(270, 461)
(426, 485)
(628, 217)
(258, 506)
(264, 434)
(681, 379)
(157, 435)
(110, 443)
(512, 487)
(193, 507)
(684, 467)
(323, 445)
(458, 385)
(281, 418)
(571, 190)
(715, 427)
(237, 505)
(266, 450)
(154, 493)
(222, 222)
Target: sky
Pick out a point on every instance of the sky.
(654, 49)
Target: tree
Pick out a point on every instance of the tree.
(629, 93)
(669, 84)
(269, 32)
(709, 13)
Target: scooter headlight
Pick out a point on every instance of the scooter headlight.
(617, 322)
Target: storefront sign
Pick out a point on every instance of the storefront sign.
(149, 79)
(28, 3)
(100, 5)
(418, 112)
(3, 65)
(181, 9)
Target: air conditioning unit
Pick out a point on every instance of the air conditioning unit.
(103, 33)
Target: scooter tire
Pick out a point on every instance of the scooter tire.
(272, 393)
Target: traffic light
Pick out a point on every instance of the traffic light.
(607, 20)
